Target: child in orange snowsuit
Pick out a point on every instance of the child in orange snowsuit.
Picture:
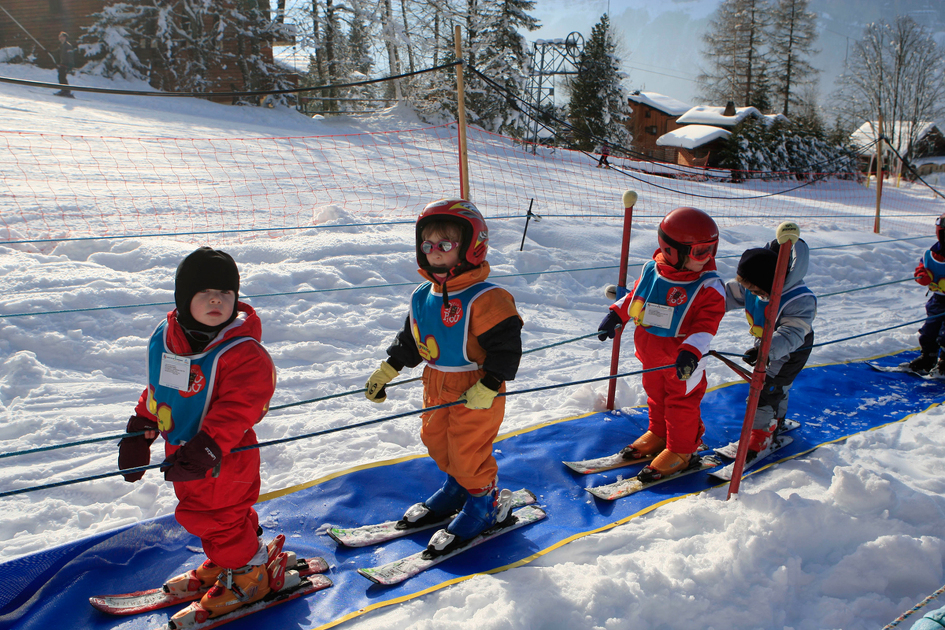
(468, 332)
(677, 304)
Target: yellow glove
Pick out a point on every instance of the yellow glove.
(375, 388)
(478, 396)
(788, 231)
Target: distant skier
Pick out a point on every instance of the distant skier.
(209, 382)
(676, 304)
(930, 273)
(604, 154)
(793, 337)
(468, 332)
(66, 63)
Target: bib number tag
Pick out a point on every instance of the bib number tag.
(658, 315)
(175, 372)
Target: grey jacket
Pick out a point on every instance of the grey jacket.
(796, 318)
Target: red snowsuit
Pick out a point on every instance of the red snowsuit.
(219, 510)
(672, 404)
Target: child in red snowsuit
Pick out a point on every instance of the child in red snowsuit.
(677, 304)
(468, 332)
(209, 383)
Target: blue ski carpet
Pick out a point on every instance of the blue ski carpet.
(51, 588)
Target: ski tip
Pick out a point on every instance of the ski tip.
(369, 575)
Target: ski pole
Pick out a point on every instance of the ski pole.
(28, 34)
(735, 367)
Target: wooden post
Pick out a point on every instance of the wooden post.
(464, 192)
(758, 377)
(879, 175)
(629, 199)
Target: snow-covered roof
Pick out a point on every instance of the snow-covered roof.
(692, 136)
(665, 104)
(706, 115)
(866, 134)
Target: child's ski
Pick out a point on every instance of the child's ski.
(155, 598)
(308, 585)
(382, 532)
(725, 474)
(608, 462)
(934, 375)
(405, 568)
(731, 449)
(626, 487)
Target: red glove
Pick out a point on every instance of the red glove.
(192, 460)
(922, 276)
(136, 451)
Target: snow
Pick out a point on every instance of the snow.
(710, 115)
(663, 103)
(691, 136)
(865, 135)
(848, 536)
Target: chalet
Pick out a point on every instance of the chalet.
(925, 153)
(703, 130)
(44, 19)
(653, 116)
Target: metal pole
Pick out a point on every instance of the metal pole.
(528, 217)
(461, 114)
(629, 200)
(29, 35)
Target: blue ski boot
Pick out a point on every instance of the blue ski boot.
(442, 504)
(483, 510)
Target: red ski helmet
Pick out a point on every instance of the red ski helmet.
(940, 229)
(687, 232)
(475, 235)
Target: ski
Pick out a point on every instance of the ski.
(725, 474)
(626, 487)
(155, 598)
(608, 462)
(731, 449)
(382, 532)
(399, 570)
(934, 375)
(308, 585)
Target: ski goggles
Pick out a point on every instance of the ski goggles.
(444, 246)
(699, 252)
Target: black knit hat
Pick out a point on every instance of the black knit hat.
(203, 269)
(757, 266)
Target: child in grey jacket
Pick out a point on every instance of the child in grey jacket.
(793, 336)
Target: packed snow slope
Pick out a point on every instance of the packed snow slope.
(848, 536)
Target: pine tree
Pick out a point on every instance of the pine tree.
(597, 107)
(791, 37)
(734, 49)
(502, 56)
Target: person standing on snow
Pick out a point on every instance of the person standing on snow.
(469, 334)
(677, 304)
(209, 383)
(793, 337)
(66, 63)
(930, 273)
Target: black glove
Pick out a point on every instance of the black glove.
(686, 363)
(751, 355)
(136, 451)
(193, 459)
(608, 326)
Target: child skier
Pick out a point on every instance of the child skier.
(930, 273)
(793, 337)
(676, 304)
(468, 332)
(209, 382)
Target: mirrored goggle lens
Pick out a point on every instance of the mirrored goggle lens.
(444, 246)
(701, 251)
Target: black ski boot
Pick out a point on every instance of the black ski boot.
(924, 362)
